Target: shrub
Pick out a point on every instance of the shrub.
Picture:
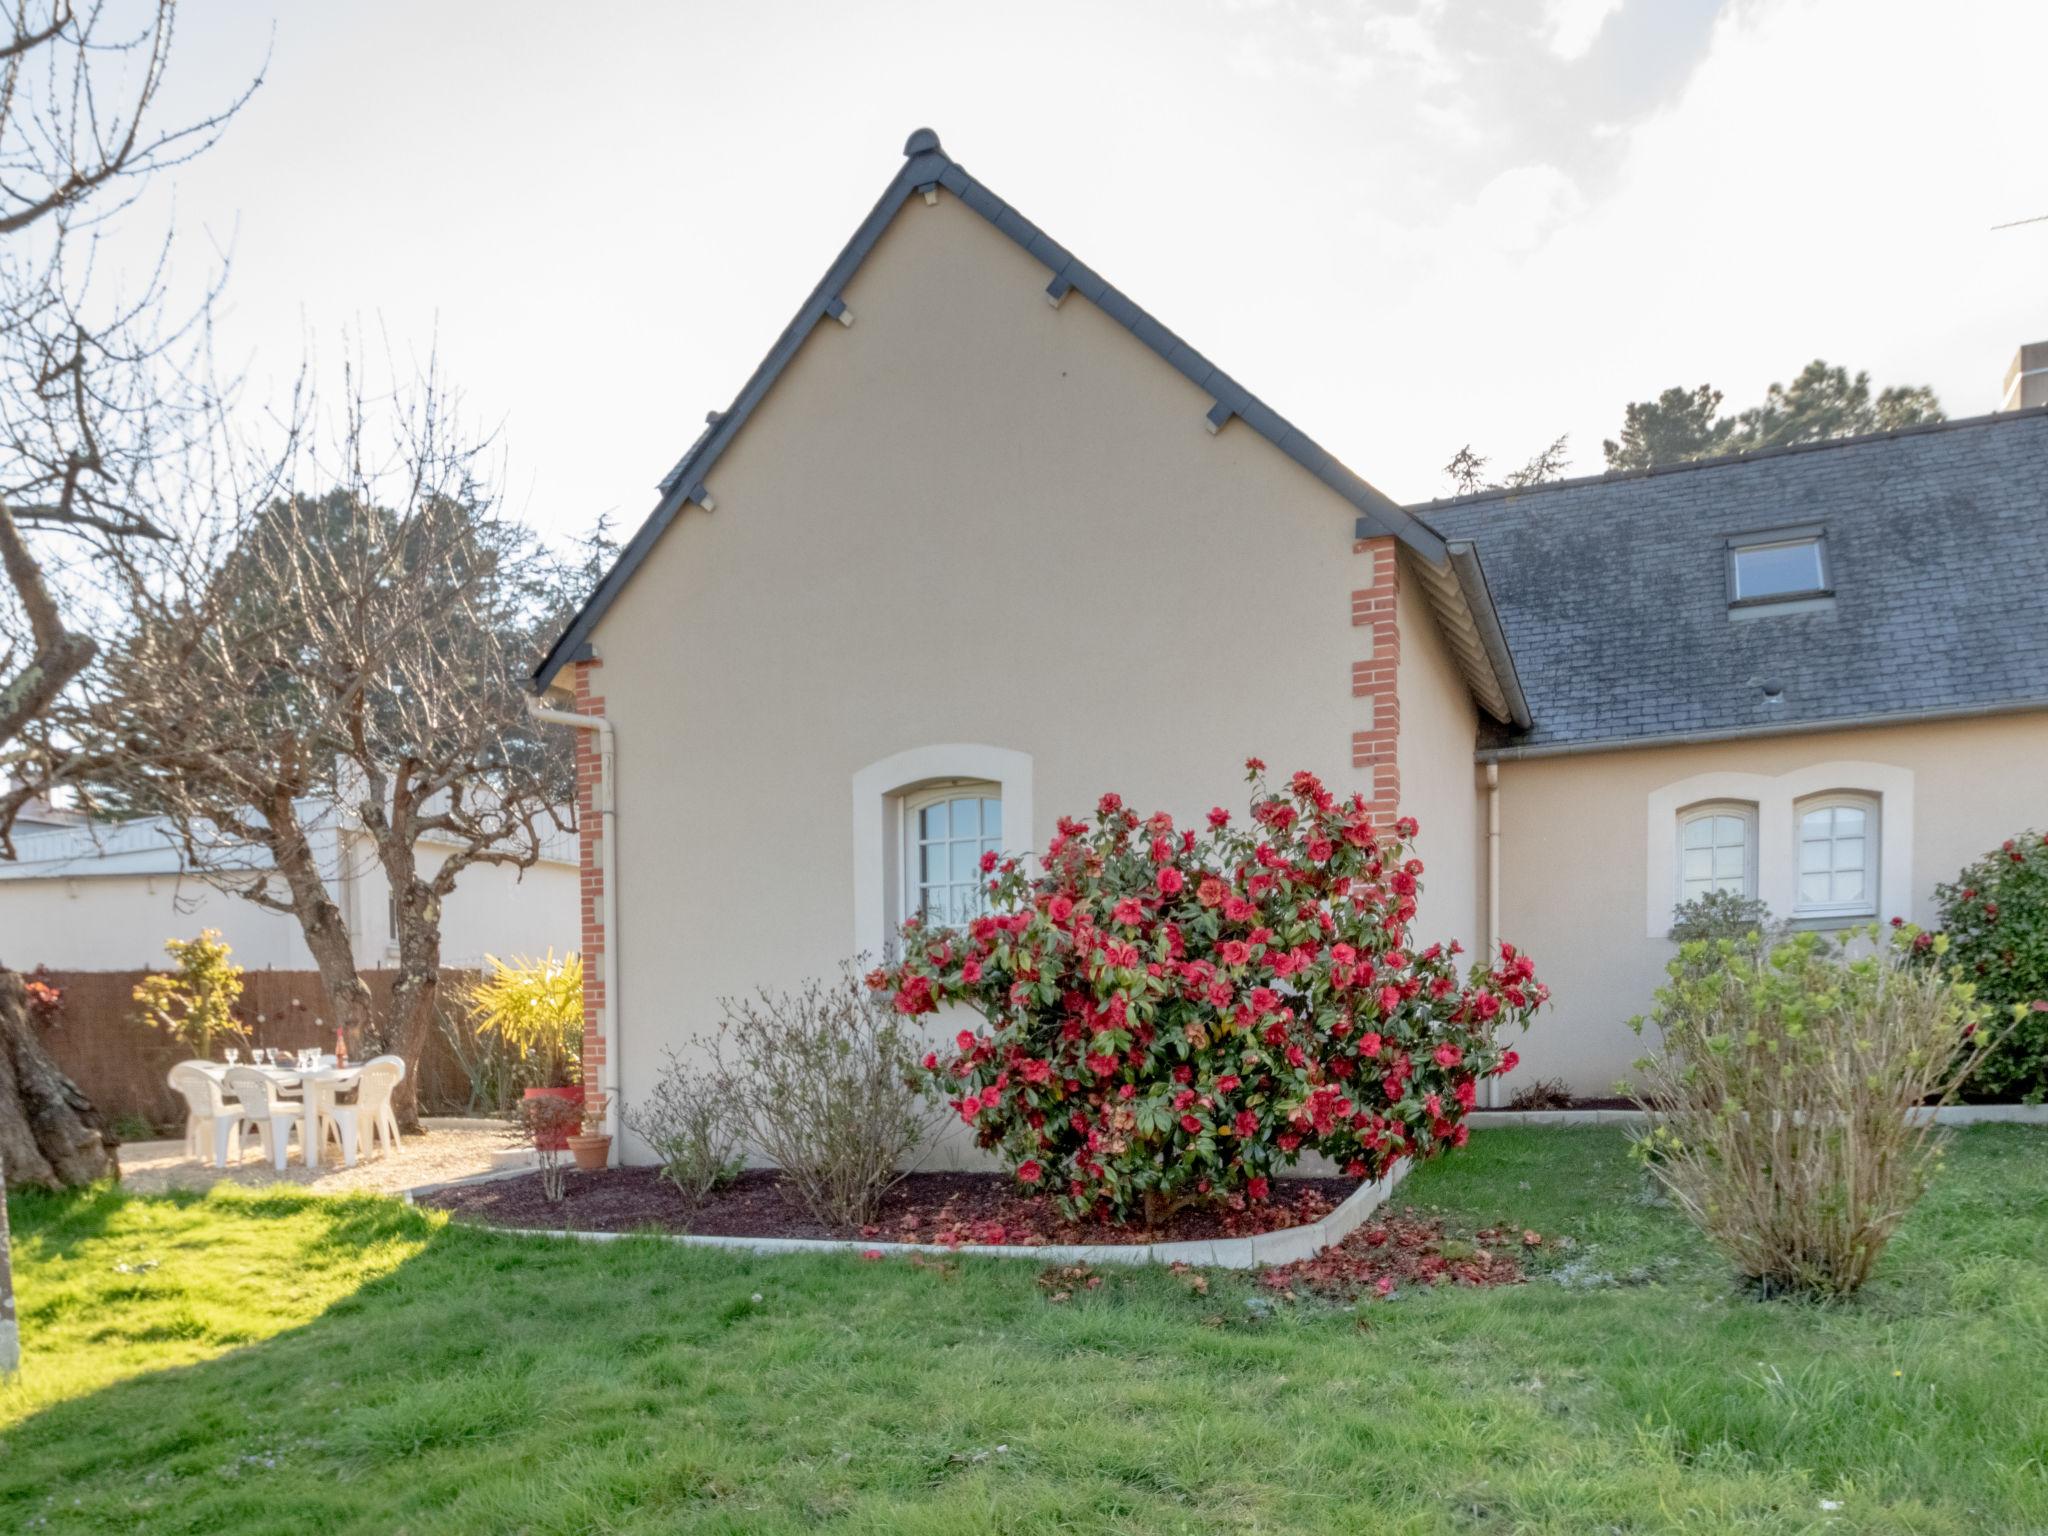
(824, 1082)
(536, 1008)
(196, 1001)
(1788, 1087)
(1544, 1093)
(1169, 1017)
(1720, 915)
(1995, 917)
(693, 1128)
(544, 1125)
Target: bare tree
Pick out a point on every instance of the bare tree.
(79, 137)
(354, 653)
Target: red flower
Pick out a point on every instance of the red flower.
(988, 861)
(1449, 1055)
(1190, 1124)
(1170, 881)
(1029, 1171)
(1258, 1189)
(1234, 952)
(1219, 818)
(1211, 891)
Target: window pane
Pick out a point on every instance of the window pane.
(1813, 855)
(1848, 853)
(935, 820)
(1699, 832)
(964, 855)
(1730, 832)
(1771, 570)
(1728, 862)
(1848, 885)
(1848, 821)
(931, 864)
(1814, 889)
(992, 818)
(1699, 863)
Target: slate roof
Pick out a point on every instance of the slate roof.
(927, 165)
(1612, 590)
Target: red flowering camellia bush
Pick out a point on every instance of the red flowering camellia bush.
(1171, 1016)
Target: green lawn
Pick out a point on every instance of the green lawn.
(271, 1362)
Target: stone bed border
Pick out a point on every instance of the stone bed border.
(1281, 1247)
(1285, 1246)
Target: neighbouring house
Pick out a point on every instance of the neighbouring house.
(980, 539)
(93, 896)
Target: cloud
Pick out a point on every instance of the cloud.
(1574, 25)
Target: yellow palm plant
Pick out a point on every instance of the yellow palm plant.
(536, 1008)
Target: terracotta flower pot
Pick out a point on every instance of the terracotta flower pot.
(592, 1151)
(574, 1094)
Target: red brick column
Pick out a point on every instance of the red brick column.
(590, 832)
(1373, 604)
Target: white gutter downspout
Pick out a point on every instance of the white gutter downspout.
(1492, 894)
(608, 864)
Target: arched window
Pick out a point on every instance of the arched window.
(946, 830)
(1838, 836)
(1717, 850)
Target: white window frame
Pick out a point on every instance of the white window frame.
(880, 791)
(909, 886)
(1890, 785)
(1834, 912)
(1743, 811)
(1742, 544)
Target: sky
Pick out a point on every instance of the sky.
(1407, 226)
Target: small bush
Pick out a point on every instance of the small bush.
(693, 1128)
(196, 1001)
(1787, 1086)
(1544, 1093)
(823, 1080)
(544, 1124)
(1720, 915)
(1995, 917)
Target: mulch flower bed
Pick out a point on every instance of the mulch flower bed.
(981, 1209)
(1407, 1250)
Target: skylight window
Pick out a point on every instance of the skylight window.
(1777, 567)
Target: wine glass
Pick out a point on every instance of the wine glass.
(233, 1054)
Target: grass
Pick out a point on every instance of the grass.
(239, 1362)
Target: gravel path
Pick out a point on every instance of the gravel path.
(450, 1149)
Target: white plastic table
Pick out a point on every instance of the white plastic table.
(317, 1087)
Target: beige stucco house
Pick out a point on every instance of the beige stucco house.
(981, 539)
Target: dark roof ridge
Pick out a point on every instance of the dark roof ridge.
(1723, 460)
(927, 166)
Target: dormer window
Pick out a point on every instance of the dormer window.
(1780, 566)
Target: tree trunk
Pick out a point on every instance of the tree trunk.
(10, 1331)
(321, 923)
(415, 995)
(49, 1132)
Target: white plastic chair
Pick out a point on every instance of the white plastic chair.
(381, 1076)
(275, 1118)
(209, 1118)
